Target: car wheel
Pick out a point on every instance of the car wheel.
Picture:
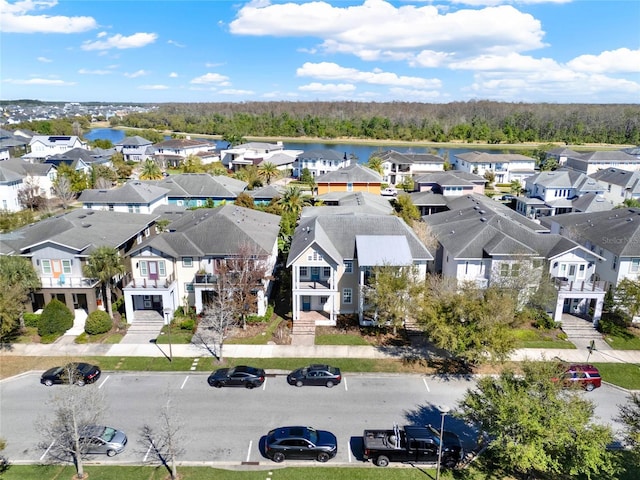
(382, 461)
(278, 457)
(299, 383)
(323, 457)
(111, 453)
(80, 383)
(250, 386)
(450, 462)
(217, 384)
(329, 384)
(589, 387)
(48, 383)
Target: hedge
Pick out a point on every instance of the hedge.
(56, 318)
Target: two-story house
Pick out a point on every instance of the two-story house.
(507, 167)
(196, 189)
(353, 178)
(254, 153)
(319, 162)
(10, 185)
(134, 149)
(591, 162)
(451, 183)
(181, 264)
(39, 175)
(398, 168)
(59, 247)
(133, 197)
(173, 152)
(11, 145)
(332, 255)
(44, 146)
(489, 247)
(620, 185)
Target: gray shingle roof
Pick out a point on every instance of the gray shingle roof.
(200, 185)
(134, 141)
(133, 192)
(617, 176)
(355, 173)
(483, 157)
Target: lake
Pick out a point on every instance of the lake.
(361, 152)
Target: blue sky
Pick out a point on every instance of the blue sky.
(556, 51)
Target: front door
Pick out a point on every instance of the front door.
(153, 270)
(306, 303)
(315, 274)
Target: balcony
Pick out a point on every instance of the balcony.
(563, 284)
(145, 283)
(206, 278)
(64, 281)
(314, 285)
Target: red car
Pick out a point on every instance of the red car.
(585, 375)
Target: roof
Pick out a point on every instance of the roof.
(345, 202)
(218, 232)
(23, 167)
(323, 155)
(406, 158)
(617, 176)
(335, 235)
(427, 198)
(383, 250)
(354, 173)
(483, 157)
(135, 141)
(269, 192)
(78, 230)
(200, 185)
(617, 230)
(133, 192)
(591, 202)
(451, 178)
(183, 143)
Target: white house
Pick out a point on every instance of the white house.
(45, 146)
(135, 149)
(41, 175)
(399, 167)
(175, 150)
(319, 162)
(254, 153)
(620, 185)
(591, 162)
(507, 167)
(132, 197)
(10, 184)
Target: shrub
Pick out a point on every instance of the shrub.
(56, 319)
(98, 322)
(543, 321)
(188, 324)
(31, 319)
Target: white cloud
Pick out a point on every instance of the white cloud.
(153, 87)
(175, 44)
(333, 71)
(173, 75)
(15, 18)
(41, 81)
(44, 60)
(139, 73)
(102, 34)
(84, 71)
(231, 91)
(620, 60)
(212, 78)
(328, 87)
(121, 42)
(509, 62)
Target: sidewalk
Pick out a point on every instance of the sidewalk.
(299, 351)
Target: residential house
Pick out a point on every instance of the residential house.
(591, 162)
(614, 236)
(80, 159)
(398, 168)
(10, 185)
(174, 151)
(254, 153)
(45, 146)
(620, 185)
(182, 263)
(429, 202)
(451, 183)
(319, 162)
(265, 195)
(507, 167)
(11, 145)
(554, 192)
(40, 175)
(350, 202)
(197, 189)
(354, 178)
(59, 247)
(332, 255)
(134, 149)
(560, 155)
(133, 197)
(488, 247)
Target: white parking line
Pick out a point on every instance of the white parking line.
(349, 452)
(346, 387)
(185, 382)
(146, 455)
(47, 450)
(426, 384)
(104, 381)
(249, 451)
(264, 384)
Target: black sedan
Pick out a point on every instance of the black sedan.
(323, 375)
(300, 443)
(78, 373)
(241, 376)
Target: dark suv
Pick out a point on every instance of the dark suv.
(585, 375)
(324, 375)
(300, 443)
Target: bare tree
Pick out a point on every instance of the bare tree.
(216, 324)
(426, 236)
(163, 444)
(29, 195)
(64, 191)
(71, 411)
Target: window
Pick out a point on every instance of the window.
(614, 265)
(635, 265)
(180, 203)
(188, 287)
(304, 272)
(323, 300)
(326, 272)
(347, 295)
(66, 266)
(161, 270)
(147, 231)
(187, 262)
(504, 270)
(143, 268)
(134, 208)
(349, 187)
(515, 269)
(348, 266)
(46, 267)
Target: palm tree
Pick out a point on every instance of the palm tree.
(375, 164)
(292, 201)
(150, 171)
(104, 263)
(268, 171)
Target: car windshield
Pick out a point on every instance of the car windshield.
(108, 434)
(313, 435)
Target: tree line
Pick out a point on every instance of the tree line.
(474, 121)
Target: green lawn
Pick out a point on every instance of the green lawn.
(624, 375)
(340, 339)
(623, 342)
(527, 338)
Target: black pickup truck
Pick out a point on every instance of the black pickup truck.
(411, 444)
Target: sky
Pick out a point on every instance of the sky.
(153, 51)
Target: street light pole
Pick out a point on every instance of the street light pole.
(167, 312)
(443, 413)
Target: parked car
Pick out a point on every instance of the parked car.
(79, 373)
(300, 443)
(315, 375)
(585, 375)
(101, 439)
(240, 376)
(389, 192)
